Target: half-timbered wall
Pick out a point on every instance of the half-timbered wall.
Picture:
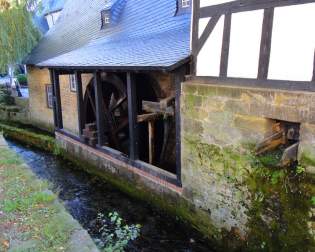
(253, 39)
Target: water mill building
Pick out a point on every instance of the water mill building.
(174, 101)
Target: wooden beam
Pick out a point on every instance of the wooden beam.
(178, 78)
(247, 5)
(132, 116)
(148, 117)
(52, 81)
(265, 44)
(100, 115)
(195, 36)
(151, 141)
(207, 32)
(155, 107)
(225, 45)
(78, 79)
(57, 99)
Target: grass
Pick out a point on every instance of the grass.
(31, 219)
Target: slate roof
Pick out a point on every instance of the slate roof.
(147, 34)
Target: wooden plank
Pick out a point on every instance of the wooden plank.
(57, 99)
(78, 79)
(265, 44)
(207, 32)
(151, 141)
(148, 117)
(100, 115)
(132, 115)
(290, 155)
(271, 142)
(247, 5)
(155, 107)
(225, 45)
(166, 102)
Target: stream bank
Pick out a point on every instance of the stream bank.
(31, 216)
(85, 196)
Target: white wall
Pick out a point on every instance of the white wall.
(292, 47)
(293, 43)
(204, 3)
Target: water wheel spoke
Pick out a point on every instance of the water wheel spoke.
(118, 103)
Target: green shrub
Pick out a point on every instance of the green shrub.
(115, 233)
(22, 79)
(5, 97)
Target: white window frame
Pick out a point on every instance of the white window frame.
(49, 96)
(106, 19)
(72, 83)
(185, 3)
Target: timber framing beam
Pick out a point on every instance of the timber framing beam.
(247, 5)
(132, 116)
(207, 31)
(225, 45)
(265, 45)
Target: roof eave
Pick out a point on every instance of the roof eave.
(120, 68)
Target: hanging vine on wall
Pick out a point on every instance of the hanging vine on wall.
(18, 35)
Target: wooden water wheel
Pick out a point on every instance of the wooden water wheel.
(116, 112)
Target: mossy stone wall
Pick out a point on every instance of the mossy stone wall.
(221, 174)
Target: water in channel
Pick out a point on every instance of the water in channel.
(85, 196)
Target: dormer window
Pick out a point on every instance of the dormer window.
(185, 3)
(105, 18)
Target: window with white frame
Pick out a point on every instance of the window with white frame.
(105, 18)
(73, 86)
(49, 96)
(185, 3)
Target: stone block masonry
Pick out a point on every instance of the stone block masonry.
(220, 173)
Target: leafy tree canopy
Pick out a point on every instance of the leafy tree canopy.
(18, 35)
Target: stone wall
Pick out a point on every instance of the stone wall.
(40, 115)
(220, 173)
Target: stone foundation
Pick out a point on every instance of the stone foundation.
(220, 172)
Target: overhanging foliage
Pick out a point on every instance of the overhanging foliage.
(18, 35)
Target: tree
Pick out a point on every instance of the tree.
(18, 35)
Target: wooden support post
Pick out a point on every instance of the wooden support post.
(179, 76)
(57, 99)
(151, 141)
(53, 95)
(265, 44)
(132, 116)
(78, 80)
(100, 115)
